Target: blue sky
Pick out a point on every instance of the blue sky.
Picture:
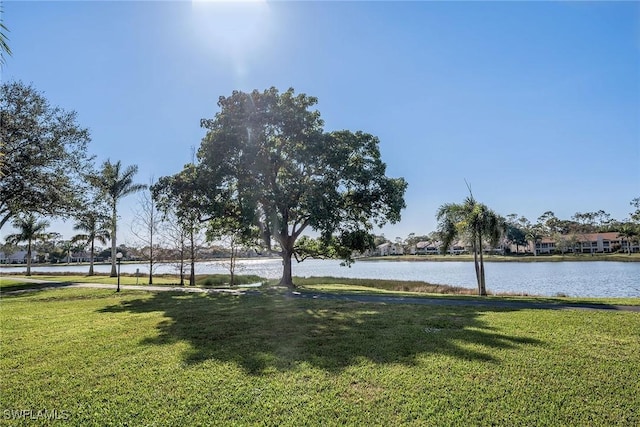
(535, 104)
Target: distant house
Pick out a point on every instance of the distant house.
(457, 248)
(428, 248)
(18, 257)
(389, 248)
(77, 257)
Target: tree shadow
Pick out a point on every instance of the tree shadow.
(267, 332)
(29, 288)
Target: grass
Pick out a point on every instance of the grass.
(17, 282)
(316, 284)
(143, 358)
(383, 285)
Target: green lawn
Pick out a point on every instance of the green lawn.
(16, 282)
(141, 358)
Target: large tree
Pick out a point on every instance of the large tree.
(113, 183)
(29, 229)
(477, 224)
(267, 161)
(43, 155)
(93, 226)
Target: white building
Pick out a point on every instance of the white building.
(389, 248)
(18, 257)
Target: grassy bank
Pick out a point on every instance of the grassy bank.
(100, 358)
(321, 284)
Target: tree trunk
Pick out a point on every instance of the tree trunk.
(114, 219)
(475, 263)
(232, 267)
(483, 287)
(192, 275)
(91, 259)
(287, 279)
(151, 263)
(29, 258)
(151, 225)
(182, 262)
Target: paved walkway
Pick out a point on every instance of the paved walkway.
(383, 299)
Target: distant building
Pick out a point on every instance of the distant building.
(586, 243)
(389, 248)
(428, 248)
(17, 257)
(434, 248)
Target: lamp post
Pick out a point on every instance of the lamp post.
(118, 258)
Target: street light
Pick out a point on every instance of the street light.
(118, 258)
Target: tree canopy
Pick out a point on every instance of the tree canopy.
(267, 161)
(43, 155)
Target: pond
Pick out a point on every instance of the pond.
(580, 279)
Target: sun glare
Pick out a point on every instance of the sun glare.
(231, 30)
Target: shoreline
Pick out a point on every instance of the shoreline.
(503, 258)
(635, 257)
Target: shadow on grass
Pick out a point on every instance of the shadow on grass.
(267, 332)
(18, 289)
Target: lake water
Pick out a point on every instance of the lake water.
(581, 279)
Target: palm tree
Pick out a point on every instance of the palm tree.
(627, 232)
(30, 229)
(114, 183)
(95, 227)
(475, 222)
(4, 46)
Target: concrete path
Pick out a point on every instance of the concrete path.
(382, 299)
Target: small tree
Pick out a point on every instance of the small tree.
(29, 229)
(475, 222)
(234, 236)
(176, 196)
(516, 235)
(635, 215)
(175, 236)
(93, 226)
(145, 225)
(628, 232)
(113, 183)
